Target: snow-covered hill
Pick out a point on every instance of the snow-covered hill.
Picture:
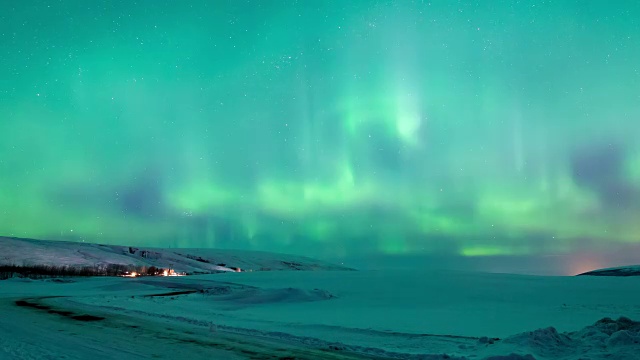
(26, 252)
(632, 270)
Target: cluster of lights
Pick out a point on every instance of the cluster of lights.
(164, 273)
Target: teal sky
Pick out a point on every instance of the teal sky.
(326, 128)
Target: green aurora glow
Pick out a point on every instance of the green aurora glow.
(322, 127)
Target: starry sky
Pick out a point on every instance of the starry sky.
(323, 128)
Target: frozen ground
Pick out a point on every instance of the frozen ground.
(322, 315)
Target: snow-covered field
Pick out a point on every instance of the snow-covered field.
(322, 315)
(290, 314)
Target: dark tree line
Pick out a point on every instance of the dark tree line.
(47, 271)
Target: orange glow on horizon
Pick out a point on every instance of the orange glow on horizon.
(581, 263)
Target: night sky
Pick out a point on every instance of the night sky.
(323, 128)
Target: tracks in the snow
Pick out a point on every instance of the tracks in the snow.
(34, 304)
(187, 334)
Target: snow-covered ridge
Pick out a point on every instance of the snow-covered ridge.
(631, 270)
(27, 252)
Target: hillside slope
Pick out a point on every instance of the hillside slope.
(631, 270)
(17, 251)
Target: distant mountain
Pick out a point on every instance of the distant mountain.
(27, 252)
(631, 270)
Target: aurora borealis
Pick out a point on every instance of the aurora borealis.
(323, 127)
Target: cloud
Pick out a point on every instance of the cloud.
(139, 196)
(142, 197)
(600, 168)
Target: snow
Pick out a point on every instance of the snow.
(17, 251)
(399, 314)
(349, 314)
(631, 270)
